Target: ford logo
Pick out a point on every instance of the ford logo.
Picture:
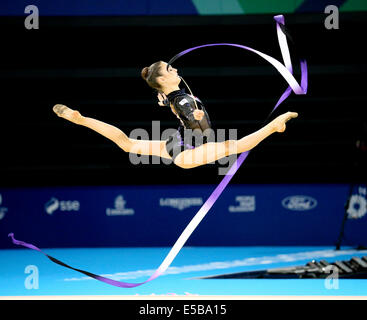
(299, 203)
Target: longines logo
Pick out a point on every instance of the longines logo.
(180, 203)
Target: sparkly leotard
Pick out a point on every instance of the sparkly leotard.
(191, 133)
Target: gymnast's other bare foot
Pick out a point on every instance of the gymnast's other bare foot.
(279, 122)
(67, 113)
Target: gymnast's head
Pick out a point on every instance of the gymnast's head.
(158, 77)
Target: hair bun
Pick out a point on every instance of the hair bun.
(145, 73)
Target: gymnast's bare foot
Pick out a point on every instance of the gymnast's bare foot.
(279, 122)
(67, 113)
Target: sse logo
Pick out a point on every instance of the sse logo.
(62, 205)
(299, 203)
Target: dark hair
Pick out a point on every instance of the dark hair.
(150, 74)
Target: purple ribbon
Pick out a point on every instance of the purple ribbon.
(286, 71)
(87, 273)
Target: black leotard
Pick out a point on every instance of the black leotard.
(184, 107)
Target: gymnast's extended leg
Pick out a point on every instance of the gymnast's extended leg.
(143, 147)
(213, 151)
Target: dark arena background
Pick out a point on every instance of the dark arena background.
(296, 209)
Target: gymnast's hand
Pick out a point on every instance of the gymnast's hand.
(198, 114)
(162, 99)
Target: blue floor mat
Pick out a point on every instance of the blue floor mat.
(137, 264)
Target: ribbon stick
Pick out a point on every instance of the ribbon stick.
(286, 71)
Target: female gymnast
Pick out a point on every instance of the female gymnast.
(165, 79)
